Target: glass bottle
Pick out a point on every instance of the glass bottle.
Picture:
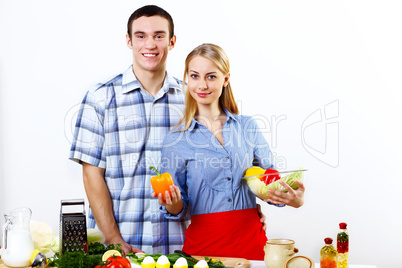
(328, 255)
(342, 246)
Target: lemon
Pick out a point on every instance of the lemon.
(255, 170)
(38, 259)
(33, 255)
(110, 253)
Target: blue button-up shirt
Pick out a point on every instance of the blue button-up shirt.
(209, 174)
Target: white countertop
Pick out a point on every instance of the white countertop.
(261, 264)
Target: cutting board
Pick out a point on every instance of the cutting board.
(229, 262)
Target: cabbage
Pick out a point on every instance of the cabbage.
(95, 235)
(54, 246)
(259, 188)
(42, 235)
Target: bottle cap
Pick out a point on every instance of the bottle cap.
(342, 225)
(328, 240)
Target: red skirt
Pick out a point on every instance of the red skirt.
(237, 234)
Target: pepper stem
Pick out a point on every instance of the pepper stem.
(157, 172)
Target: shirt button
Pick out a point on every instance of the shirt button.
(229, 200)
(229, 179)
(227, 157)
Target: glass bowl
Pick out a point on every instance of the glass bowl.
(260, 189)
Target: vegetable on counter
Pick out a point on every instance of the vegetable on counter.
(117, 262)
(161, 182)
(81, 260)
(96, 251)
(110, 253)
(95, 235)
(42, 236)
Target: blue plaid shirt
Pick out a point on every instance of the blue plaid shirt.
(209, 174)
(120, 127)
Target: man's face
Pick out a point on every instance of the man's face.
(150, 43)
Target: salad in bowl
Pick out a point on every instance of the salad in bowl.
(260, 181)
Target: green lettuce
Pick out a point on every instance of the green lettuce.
(259, 188)
(95, 235)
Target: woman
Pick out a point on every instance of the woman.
(207, 155)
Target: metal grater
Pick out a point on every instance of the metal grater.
(73, 227)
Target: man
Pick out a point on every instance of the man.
(118, 136)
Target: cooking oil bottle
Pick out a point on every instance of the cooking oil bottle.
(342, 246)
(328, 255)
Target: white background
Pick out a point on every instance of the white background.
(325, 77)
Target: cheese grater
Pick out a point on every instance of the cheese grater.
(73, 226)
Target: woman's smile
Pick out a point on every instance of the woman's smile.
(203, 95)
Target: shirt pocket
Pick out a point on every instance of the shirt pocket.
(208, 171)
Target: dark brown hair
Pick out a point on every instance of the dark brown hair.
(149, 11)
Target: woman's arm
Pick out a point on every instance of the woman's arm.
(173, 159)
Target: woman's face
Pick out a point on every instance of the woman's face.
(205, 81)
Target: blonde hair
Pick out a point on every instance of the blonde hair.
(218, 56)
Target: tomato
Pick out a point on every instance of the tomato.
(126, 263)
(271, 178)
(115, 264)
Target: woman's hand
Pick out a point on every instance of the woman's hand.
(293, 198)
(262, 217)
(173, 202)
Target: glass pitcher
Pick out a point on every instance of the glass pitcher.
(17, 242)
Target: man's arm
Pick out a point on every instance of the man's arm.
(101, 205)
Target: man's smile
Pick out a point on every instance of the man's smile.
(150, 55)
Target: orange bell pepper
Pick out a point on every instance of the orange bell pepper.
(161, 182)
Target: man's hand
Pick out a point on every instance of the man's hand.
(293, 198)
(125, 247)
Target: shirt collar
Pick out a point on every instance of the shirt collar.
(130, 82)
(229, 116)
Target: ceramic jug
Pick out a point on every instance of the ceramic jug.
(278, 251)
(17, 242)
